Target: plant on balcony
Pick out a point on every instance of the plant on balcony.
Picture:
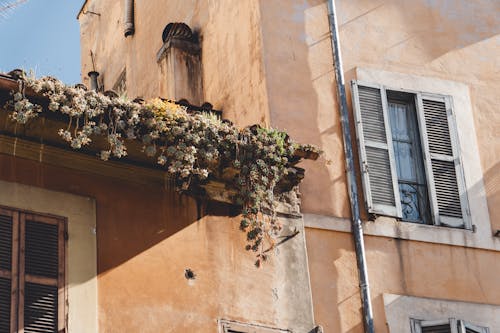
(190, 147)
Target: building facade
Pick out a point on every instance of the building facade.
(421, 84)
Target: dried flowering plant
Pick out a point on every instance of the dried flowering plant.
(191, 147)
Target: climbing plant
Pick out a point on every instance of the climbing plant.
(192, 147)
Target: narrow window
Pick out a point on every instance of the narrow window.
(408, 154)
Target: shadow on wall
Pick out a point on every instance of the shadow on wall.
(301, 94)
(130, 218)
(414, 31)
(490, 190)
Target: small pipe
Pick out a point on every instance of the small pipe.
(93, 80)
(129, 18)
(352, 186)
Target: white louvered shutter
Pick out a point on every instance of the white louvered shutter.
(465, 327)
(376, 153)
(442, 161)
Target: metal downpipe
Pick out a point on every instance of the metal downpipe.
(352, 186)
(129, 18)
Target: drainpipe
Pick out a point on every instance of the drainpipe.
(93, 80)
(129, 18)
(352, 186)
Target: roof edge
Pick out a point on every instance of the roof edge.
(81, 9)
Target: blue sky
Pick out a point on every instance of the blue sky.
(42, 35)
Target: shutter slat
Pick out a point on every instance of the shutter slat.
(5, 242)
(42, 249)
(380, 171)
(446, 186)
(40, 308)
(375, 149)
(5, 291)
(443, 161)
(436, 122)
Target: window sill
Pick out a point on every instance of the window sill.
(481, 238)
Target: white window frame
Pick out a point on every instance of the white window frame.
(437, 220)
(417, 325)
(404, 314)
(481, 234)
(456, 326)
(226, 326)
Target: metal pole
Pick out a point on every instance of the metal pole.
(352, 186)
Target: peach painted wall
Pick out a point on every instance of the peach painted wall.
(271, 62)
(233, 73)
(450, 40)
(147, 236)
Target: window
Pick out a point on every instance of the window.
(32, 272)
(451, 325)
(409, 156)
(227, 326)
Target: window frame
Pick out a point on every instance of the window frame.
(229, 326)
(456, 325)
(437, 220)
(18, 275)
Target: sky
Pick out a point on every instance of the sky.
(43, 36)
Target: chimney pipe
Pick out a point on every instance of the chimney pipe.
(129, 18)
(93, 80)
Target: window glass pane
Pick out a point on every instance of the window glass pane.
(409, 160)
(437, 329)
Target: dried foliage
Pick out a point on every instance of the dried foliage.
(190, 147)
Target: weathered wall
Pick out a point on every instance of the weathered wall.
(398, 267)
(81, 274)
(270, 62)
(449, 40)
(147, 236)
(233, 74)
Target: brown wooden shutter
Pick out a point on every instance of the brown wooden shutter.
(41, 267)
(5, 286)
(6, 227)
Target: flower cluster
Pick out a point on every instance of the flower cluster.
(190, 147)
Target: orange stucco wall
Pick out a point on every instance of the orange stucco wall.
(271, 62)
(147, 236)
(233, 73)
(445, 39)
(395, 266)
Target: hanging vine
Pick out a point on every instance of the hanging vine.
(190, 147)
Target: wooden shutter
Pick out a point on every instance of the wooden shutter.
(442, 161)
(465, 327)
(42, 241)
(5, 271)
(376, 153)
(8, 269)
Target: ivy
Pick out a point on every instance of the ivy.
(193, 148)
